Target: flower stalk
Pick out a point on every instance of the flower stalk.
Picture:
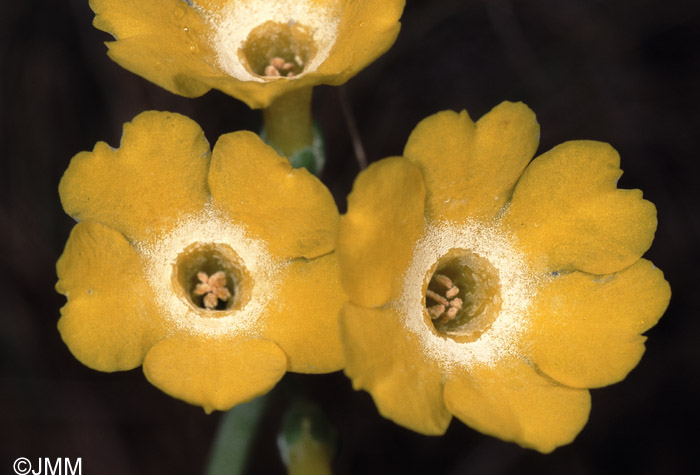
(289, 129)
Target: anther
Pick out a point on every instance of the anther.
(278, 67)
(443, 280)
(449, 315)
(436, 310)
(277, 62)
(448, 305)
(213, 288)
(437, 298)
(271, 71)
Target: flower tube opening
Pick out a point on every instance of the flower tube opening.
(267, 40)
(276, 49)
(211, 277)
(462, 296)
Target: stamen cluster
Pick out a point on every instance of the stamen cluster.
(213, 288)
(279, 67)
(445, 306)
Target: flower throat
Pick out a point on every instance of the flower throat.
(276, 49)
(462, 298)
(211, 278)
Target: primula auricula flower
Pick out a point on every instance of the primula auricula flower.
(214, 270)
(493, 290)
(253, 50)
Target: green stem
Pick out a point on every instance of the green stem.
(288, 122)
(234, 438)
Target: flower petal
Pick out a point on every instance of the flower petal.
(367, 30)
(214, 373)
(568, 214)
(303, 319)
(109, 322)
(288, 208)
(387, 361)
(377, 234)
(586, 329)
(509, 400)
(164, 41)
(141, 188)
(470, 169)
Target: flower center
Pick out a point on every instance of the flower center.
(462, 297)
(276, 49)
(211, 276)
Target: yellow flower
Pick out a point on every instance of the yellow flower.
(253, 50)
(493, 290)
(214, 270)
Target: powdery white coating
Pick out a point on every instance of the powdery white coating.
(518, 286)
(233, 23)
(210, 227)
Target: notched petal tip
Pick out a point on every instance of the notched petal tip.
(142, 187)
(214, 374)
(385, 360)
(108, 322)
(568, 214)
(586, 329)
(514, 403)
(290, 208)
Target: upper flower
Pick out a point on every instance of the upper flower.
(213, 270)
(253, 50)
(493, 290)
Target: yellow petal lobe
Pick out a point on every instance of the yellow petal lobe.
(367, 29)
(214, 373)
(470, 169)
(140, 189)
(288, 208)
(109, 322)
(164, 41)
(303, 318)
(514, 403)
(386, 360)
(568, 214)
(376, 237)
(586, 330)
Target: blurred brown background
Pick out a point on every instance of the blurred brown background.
(624, 72)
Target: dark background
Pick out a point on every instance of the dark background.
(624, 72)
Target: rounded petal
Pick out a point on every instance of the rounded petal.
(140, 189)
(109, 322)
(303, 320)
(568, 214)
(290, 209)
(377, 234)
(586, 329)
(367, 30)
(214, 373)
(509, 400)
(384, 359)
(470, 169)
(163, 41)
